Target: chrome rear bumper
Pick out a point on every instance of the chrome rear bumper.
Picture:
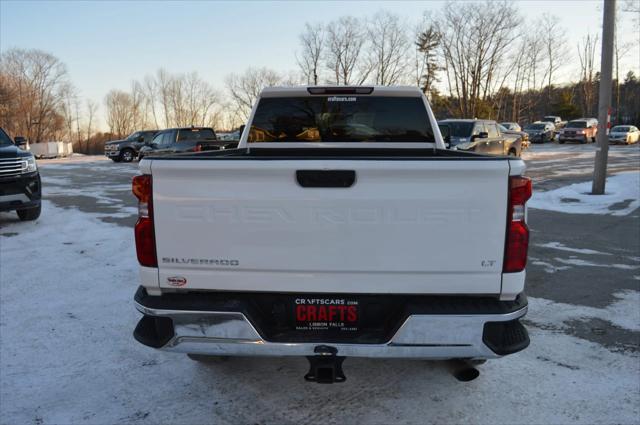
(420, 336)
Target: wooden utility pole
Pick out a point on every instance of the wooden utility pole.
(604, 98)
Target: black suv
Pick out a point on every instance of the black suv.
(481, 136)
(185, 139)
(20, 187)
(127, 150)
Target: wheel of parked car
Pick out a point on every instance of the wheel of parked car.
(29, 214)
(512, 152)
(115, 159)
(127, 155)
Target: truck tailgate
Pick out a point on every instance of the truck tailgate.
(408, 226)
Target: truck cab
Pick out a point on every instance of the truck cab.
(20, 185)
(185, 139)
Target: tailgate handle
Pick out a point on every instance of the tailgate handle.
(326, 178)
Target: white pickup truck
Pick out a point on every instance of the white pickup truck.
(341, 226)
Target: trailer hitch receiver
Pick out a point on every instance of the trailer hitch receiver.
(326, 366)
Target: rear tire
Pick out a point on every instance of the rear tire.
(29, 214)
(512, 152)
(116, 159)
(127, 155)
(204, 358)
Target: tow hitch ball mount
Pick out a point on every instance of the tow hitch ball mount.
(326, 366)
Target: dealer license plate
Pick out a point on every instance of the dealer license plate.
(326, 313)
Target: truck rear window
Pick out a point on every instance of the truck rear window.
(196, 134)
(341, 119)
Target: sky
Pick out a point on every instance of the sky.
(106, 45)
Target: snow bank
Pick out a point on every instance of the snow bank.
(621, 198)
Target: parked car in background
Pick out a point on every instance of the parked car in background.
(540, 132)
(20, 186)
(626, 134)
(185, 139)
(556, 121)
(515, 135)
(553, 119)
(127, 150)
(511, 126)
(582, 130)
(480, 136)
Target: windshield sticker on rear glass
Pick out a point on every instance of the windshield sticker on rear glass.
(341, 99)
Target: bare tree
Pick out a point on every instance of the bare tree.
(163, 90)
(139, 115)
(149, 87)
(119, 105)
(69, 99)
(587, 54)
(474, 56)
(519, 75)
(556, 53)
(312, 48)
(245, 88)
(37, 81)
(345, 41)
(192, 99)
(92, 108)
(620, 49)
(388, 48)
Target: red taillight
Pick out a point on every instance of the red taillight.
(144, 229)
(197, 148)
(517, 241)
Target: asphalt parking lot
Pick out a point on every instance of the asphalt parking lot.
(67, 354)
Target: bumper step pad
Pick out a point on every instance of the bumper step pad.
(505, 337)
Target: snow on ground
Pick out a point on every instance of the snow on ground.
(561, 247)
(548, 267)
(67, 354)
(584, 263)
(622, 196)
(548, 151)
(624, 313)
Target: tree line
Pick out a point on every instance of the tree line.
(470, 59)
